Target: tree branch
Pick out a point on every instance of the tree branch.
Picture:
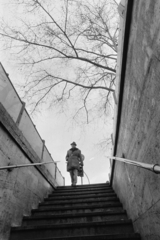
(81, 85)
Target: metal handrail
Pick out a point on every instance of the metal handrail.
(87, 177)
(9, 167)
(151, 167)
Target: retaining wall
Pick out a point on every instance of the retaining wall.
(139, 135)
(21, 189)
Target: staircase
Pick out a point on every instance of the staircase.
(77, 213)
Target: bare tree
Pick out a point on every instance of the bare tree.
(68, 50)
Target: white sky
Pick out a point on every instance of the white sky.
(58, 132)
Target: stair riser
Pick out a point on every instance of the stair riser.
(85, 186)
(100, 237)
(86, 196)
(85, 210)
(77, 203)
(56, 193)
(77, 231)
(39, 222)
(90, 200)
(75, 189)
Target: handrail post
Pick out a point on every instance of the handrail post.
(43, 141)
(20, 113)
(55, 170)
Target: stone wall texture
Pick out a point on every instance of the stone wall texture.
(21, 189)
(139, 136)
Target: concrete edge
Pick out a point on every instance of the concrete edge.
(9, 125)
(128, 18)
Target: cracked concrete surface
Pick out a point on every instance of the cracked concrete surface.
(139, 137)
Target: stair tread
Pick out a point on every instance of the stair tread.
(85, 185)
(77, 194)
(89, 195)
(80, 201)
(76, 190)
(105, 205)
(66, 215)
(129, 236)
(73, 225)
(78, 213)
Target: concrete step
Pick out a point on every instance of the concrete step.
(81, 212)
(74, 218)
(79, 205)
(89, 195)
(86, 185)
(126, 236)
(78, 201)
(102, 207)
(76, 229)
(76, 188)
(83, 192)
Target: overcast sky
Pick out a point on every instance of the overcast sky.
(59, 131)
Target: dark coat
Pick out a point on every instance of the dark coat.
(73, 158)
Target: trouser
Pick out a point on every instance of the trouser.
(73, 174)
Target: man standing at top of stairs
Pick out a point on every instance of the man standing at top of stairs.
(73, 158)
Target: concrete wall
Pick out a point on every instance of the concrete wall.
(139, 136)
(21, 189)
(11, 101)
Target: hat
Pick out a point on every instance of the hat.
(73, 143)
